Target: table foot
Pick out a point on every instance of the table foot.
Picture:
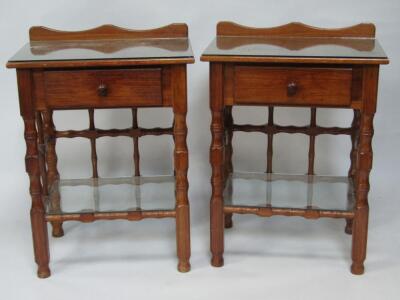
(217, 261)
(228, 221)
(184, 267)
(57, 230)
(43, 272)
(349, 227)
(357, 269)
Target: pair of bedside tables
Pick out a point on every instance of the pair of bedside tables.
(110, 67)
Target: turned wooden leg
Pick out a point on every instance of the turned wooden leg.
(39, 225)
(228, 155)
(217, 165)
(42, 153)
(364, 165)
(353, 159)
(349, 226)
(181, 162)
(136, 154)
(360, 233)
(228, 221)
(350, 206)
(32, 164)
(58, 230)
(355, 136)
(360, 226)
(52, 173)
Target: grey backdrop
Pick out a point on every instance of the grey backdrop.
(279, 258)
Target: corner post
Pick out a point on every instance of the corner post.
(228, 155)
(181, 163)
(364, 165)
(32, 165)
(217, 164)
(355, 127)
(52, 172)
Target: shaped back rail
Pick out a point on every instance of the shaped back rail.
(296, 29)
(107, 32)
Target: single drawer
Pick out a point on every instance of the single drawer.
(292, 86)
(103, 88)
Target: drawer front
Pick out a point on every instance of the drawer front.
(292, 86)
(103, 88)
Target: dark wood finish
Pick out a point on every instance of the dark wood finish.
(292, 60)
(311, 149)
(295, 43)
(93, 150)
(364, 166)
(107, 81)
(228, 155)
(288, 212)
(156, 47)
(42, 153)
(296, 29)
(181, 163)
(103, 88)
(217, 166)
(309, 130)
(97, 133)
(129, 215)
(104, 46)
(353, 159)
(51, 161)
(292, 86)
(39, 227)
(107, 32)
(99, 63)
(354, 143)
(136, 155)
(270, 142)
(288, 79)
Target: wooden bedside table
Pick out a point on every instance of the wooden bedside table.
(105, 67)
(293, 65)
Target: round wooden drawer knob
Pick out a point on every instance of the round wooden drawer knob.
(102, 90)
(292, 88)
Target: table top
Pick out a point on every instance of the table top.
(128, 49)
(343, 49)
(106, 45)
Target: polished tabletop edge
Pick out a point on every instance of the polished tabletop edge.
(90, 52)
(290, 49)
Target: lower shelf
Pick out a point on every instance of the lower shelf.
(260, 193)
(136, 197)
